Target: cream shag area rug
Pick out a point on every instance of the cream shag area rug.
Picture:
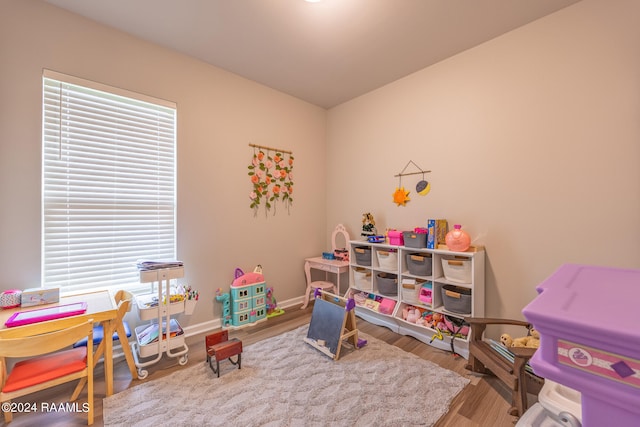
(286, 382)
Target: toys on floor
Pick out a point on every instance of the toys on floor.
(226, 307)
(272, 305)
(247, 297)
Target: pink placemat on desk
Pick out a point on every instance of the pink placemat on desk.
(43, 314)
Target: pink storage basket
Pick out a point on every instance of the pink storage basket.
(386, 306)
(426, 294)
(453, 328)
(395, 237)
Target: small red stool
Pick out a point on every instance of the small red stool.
(220, 347)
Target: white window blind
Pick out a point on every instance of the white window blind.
(108, 184)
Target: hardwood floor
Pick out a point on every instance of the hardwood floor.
(482, 403)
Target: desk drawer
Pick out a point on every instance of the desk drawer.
(323, 267)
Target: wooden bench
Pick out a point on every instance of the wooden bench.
(484, 359)
(220, 347)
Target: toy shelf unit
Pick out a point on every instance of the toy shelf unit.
(163, 333)
(424, 293)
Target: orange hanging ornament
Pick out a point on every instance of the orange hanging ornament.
(401, 196)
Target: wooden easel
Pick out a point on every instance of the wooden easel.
(333, 321)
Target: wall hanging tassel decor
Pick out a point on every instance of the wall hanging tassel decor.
(271, 177)
(401, 196)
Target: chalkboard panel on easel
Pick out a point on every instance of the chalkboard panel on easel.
(327, 322)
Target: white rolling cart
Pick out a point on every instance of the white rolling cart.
(159, 313)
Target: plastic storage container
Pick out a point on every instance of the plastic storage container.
(457, 239)
(395, 237)
(558, 406)
(426, 293)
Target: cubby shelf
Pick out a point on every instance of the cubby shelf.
(387, 260)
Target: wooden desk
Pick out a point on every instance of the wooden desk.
(328, 266)
(101, 307)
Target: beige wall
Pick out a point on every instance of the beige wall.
(219, 114)
(533, 140)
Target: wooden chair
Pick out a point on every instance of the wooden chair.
(485, 359)
(123, 299)
(45, 366)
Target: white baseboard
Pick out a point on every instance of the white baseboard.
(201, 328)
(211, 325)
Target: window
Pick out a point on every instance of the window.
(108, 183)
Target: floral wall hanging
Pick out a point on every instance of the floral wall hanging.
(271, 175)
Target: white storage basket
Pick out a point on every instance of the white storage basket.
(410, 291)
(388, 260)
(362, 279)
(457, 270)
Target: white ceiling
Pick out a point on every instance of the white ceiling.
(325, 53)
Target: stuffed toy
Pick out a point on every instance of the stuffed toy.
(532, 340)
(426, 319)
(438, 321)
(413, 315)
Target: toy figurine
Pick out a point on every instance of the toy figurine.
(272, 305)
(368, 225)
(226, 307)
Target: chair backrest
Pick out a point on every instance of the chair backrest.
(124, 296)
(43, 341)
(34, 345)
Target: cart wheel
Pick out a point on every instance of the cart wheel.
(142, 374)
(183, 360)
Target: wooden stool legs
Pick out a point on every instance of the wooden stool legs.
(220, 347)
(216, 370)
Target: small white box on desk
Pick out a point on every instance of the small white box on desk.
(39, 296)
